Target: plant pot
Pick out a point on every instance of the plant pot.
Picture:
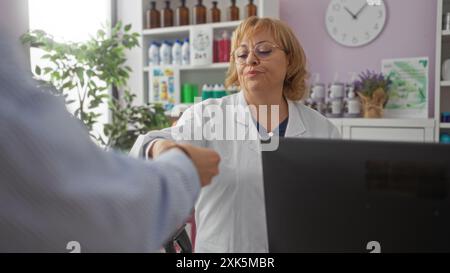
(373, 106)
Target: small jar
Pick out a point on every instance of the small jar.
(335, 107)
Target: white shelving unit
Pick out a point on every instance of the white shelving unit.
(133, 11)
(442, 88)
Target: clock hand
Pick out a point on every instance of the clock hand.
(351, 13)
(360, 10)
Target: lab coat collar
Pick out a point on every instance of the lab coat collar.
(295, 126)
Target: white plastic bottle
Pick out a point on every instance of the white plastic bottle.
(185, 53)
(165, 53)
(153, 54)
(216, 91)
(206, 92)
(176, 53)
(223, 91)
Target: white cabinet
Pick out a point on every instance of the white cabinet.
(442, 87)
(133, 11)
(407, 130)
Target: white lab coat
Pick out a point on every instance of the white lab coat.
(230, 213)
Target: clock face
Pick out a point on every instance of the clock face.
(355, 22)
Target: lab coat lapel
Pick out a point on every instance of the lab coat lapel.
(296, 126)
(247, 126)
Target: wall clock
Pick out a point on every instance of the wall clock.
(355, 22)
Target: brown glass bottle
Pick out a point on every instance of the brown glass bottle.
(251, 9)
(215, 13)
(153, 17)
(234, 11)
(199, 13)
(167, 15)
(183, 14)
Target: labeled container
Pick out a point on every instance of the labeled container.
(199, 13)
(444, 138)
(445, 117)
(224, 47)
(216, 49)
(252, 10)
(337, 90)
(185, 53)
(352, 104)
(153, 54)
(188, 93)
(153, 16)
(335, 107)
(215, 13)
(165, 53)
(207, 91)
(183, 14)
(233, 12)
(177, 53)
(167, 15)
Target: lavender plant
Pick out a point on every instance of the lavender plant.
(370, 81)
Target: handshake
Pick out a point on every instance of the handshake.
(206, 161)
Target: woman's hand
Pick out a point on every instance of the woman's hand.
(205, 160)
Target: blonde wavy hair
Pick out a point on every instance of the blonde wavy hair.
(295, 82)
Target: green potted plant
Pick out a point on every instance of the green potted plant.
(373, 89)
(88, 71)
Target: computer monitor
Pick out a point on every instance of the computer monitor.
(357, 196)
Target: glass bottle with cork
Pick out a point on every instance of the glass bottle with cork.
(251, 9)
(153, 16)
(215, 13)
(199, 13)
(233, 11)
(183, 14)
(167, 15)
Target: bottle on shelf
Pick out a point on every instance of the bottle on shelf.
(206, 92)
(185, 53)
(199, 13)
(165, 53)
(183, 14)
(153, 54)
(224, 47)
(177, 53)
(153, 16)
(352, 105)
(216, 49)
(167, 15)
(233, 11)
(215, 13)
(317, 97)
(251, 9)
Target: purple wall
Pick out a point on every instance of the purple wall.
(410, 31)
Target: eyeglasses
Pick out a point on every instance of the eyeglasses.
(261, 50)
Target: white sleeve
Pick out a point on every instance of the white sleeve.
(185, 131)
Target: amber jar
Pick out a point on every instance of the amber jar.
(153, 17)
(167, 15)
(183, 14)
(199, 13)
(234, 11)
(251, 9)
(215, 13)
